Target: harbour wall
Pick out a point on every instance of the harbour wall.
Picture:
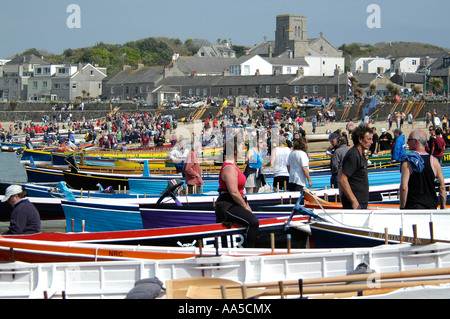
(32, 111)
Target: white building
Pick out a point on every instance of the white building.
(407, 65)
(323, 65)
(250, 65)
(370, 65)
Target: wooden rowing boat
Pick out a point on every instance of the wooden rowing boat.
(110, 279)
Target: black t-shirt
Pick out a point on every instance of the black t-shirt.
(354, 165)
(385, 145)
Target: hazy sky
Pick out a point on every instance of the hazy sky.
(43, 24)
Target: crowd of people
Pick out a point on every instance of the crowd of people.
(278, 142)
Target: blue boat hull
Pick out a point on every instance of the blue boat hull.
(99, 217)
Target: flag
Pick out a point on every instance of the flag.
(379, 75)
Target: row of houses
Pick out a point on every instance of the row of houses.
(407, 71)
(33, 79)
(30, 78)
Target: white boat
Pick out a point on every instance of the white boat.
(116, 279)
(365, 228)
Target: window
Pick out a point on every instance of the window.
(74, 86)
(277, 89)
(45, 84)
(205, 92)
(296, 89)
(305, 89)
(316, 89)
(190, 92)
(35, 84)
(268, 89)
(112, 90)
(230, 91)
(246, 69)
(446, 62)
(92, 72)
(414, 62)
(56, 86)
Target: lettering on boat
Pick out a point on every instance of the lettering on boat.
(393, 237)
(231, 241)
(228, 241)
(116, 253)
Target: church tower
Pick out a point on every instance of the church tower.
(290, 35)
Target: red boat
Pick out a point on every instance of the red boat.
(60, 247)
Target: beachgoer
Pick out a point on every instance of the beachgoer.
(25, 217)
(353, 179)
(419, 172)
(231, 205)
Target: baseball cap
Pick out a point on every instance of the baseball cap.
(11, 191)
(332, 136)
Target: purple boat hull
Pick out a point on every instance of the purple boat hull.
(164, 218)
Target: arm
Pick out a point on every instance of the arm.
(230, 177)
(345, 187)
(272, 158)
(406, 172)
(440, 177)
(306, 172)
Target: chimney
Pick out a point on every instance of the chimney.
(226, 72)
(270, 51)
(166, 71)
(194, 73)
(140, 65)
(125, 66)
(175, 56)
(300, 71)
(257, 72)
(276, 71)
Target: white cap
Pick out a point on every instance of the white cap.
(11, 191)
(383, 130)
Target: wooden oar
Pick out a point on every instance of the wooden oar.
(214, 293)
(177, 288)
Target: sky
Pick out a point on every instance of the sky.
(53, 25)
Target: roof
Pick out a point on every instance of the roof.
(135, 75)
(261, 48)
(203, 65)
(287, 61)
(28, 58)
(165, 89)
